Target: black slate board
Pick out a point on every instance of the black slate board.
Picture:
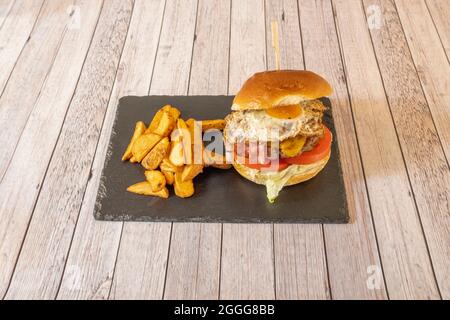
(220, 195)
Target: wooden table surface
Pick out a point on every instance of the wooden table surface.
(65, 63)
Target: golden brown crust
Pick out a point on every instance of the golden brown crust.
(271, 89)
(261, 178)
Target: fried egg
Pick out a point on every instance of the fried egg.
(275, 125)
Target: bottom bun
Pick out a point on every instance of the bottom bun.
(293, 174)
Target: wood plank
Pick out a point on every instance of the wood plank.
(406, 264)
(14, 32)
(41, 262)
(431, 63)
(300, 262)
(440, 11)
(424, 157)
(132, 278)
(194, 262)
(45, 121)
(247, 270)
(351, 248)
(41, 133)
(92, 258)
(42, 45)
(5, 9)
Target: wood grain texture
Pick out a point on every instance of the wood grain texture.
(16, 24)
(92, 258)
(300, 262)
(352, 248)
(17, 103)
(41, 263)
(5, 9)
(440, 11)
(406, 264)
(141, 275)
(170, 76)
(431, 63)
(194, 262)
(425, 159)
(247, 249)
(15, 205)
(39, 137)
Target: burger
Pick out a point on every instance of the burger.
(275, 131)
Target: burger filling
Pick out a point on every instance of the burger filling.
(294, 129)
(280, 143)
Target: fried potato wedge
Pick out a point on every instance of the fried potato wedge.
(167, 165)
(191, 171)
(154, 158)
(183, 189)
(215, 160)
(173, 111)
(143, 145)
(156, 179)
(170, 176)
(177, 154)
(155, 121)
(218, 124)
(138, 131)
(144, 188)
(166, 124)
(191, 125)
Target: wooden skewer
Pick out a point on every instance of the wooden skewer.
(275, 43)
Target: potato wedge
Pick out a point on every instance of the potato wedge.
(154, 158)
(191, 171)
(215, 160)
(218, 124)
(170, 176)
(224, 166)
(190, 125)
(156, 179)
(138, 131)
(143, 145)
(176, 153)
(155, 121)
(144, 188)
(166, 124)
(173, 111)
(133, 160)
(183, 189)
(166, 165)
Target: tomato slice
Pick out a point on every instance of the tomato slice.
(268, 165)
(318, 153)
(279, 165)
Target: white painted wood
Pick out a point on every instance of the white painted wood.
(247, 270)
(425, 159)
(350, 248)
(170, 76)
(406, 264)
(194, 262)
(5, 8)
(92, 258)
(16, 205)
(431, 63)
(16, 23)
(40, 135)
(41, 263)
(300, 262)
(141, 275)
(20, 94)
